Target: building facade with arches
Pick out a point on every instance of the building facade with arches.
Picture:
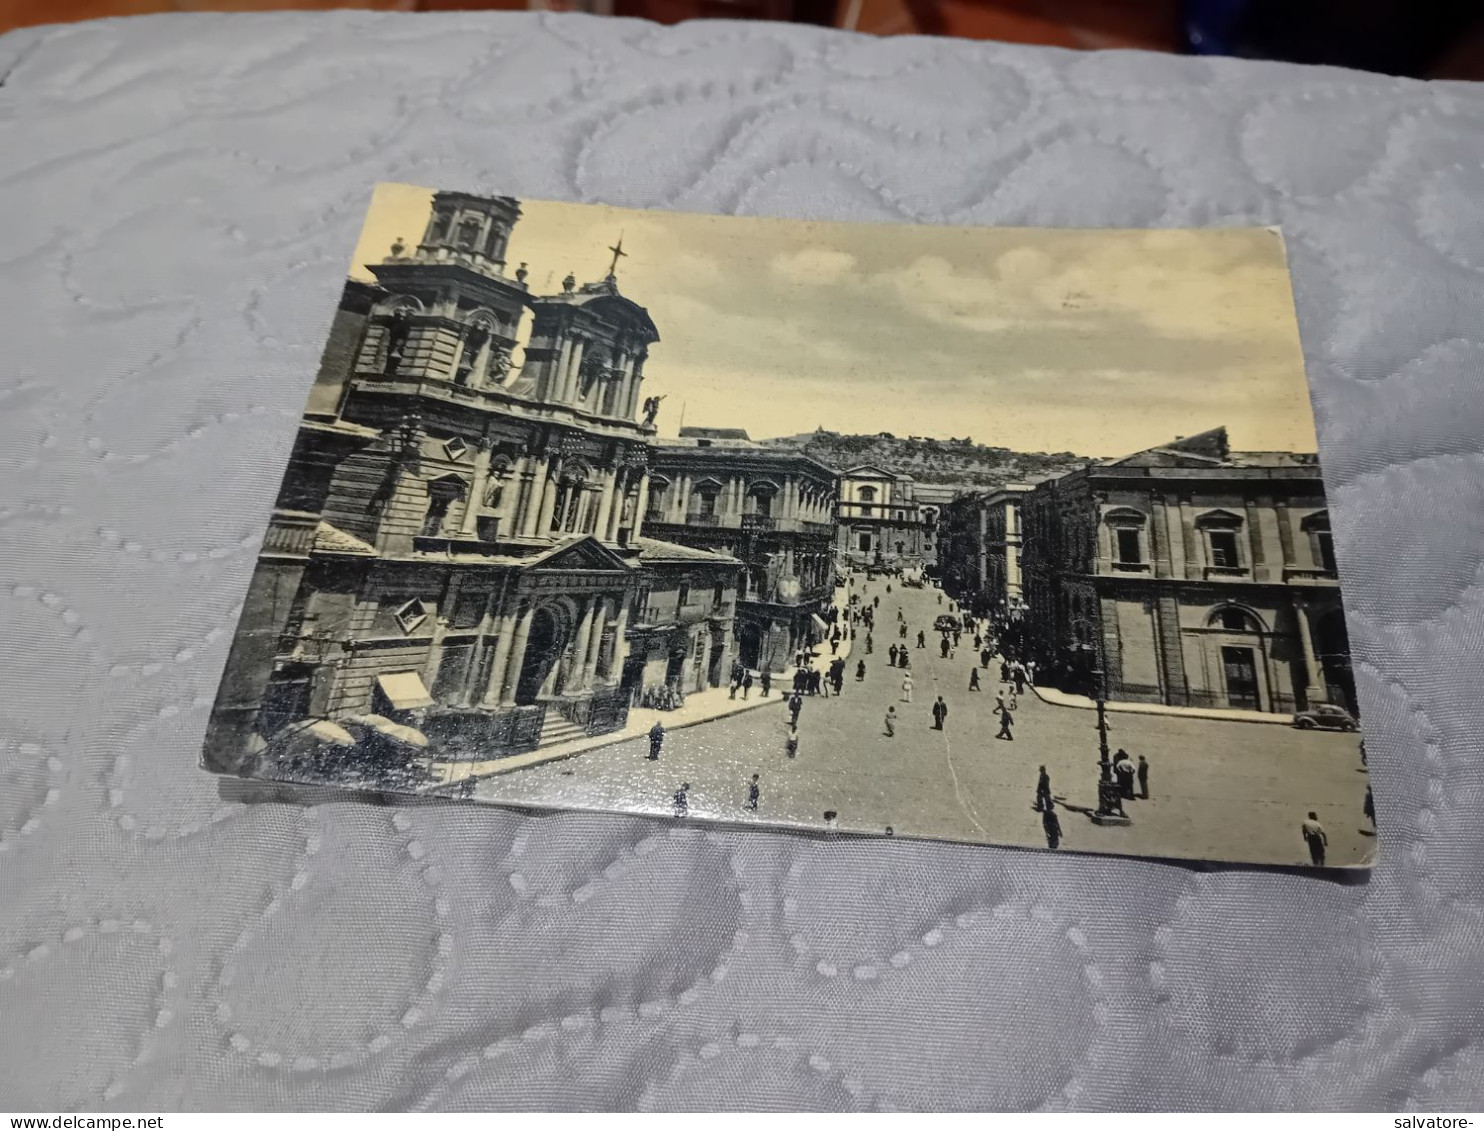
(459, 545)
(771, 508)
(1188, 574)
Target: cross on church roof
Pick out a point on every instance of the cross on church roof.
(618, 253)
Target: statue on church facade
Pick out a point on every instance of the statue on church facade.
(651, 410)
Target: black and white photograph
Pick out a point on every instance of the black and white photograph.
(1005, 536)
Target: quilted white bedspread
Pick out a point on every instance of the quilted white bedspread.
(178, 197)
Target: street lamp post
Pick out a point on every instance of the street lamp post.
(1110, 802)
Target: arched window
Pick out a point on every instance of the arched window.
(1233, 618)
(469, 234)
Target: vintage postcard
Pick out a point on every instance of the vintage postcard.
(1006, 536)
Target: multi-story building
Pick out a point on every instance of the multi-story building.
(881, 523)
(981, 550)
(1189, 574)
(772, 509)
(458, 544)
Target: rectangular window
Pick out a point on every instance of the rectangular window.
(468, 610)
(453, 667)
(1224, 549)
(865, 543)
(1128, 546)
(706, 504)
(1325, 543)
(437, 512)
(1241, 678)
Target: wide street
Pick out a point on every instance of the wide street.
(1219, 790)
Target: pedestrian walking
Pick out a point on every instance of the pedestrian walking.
(870, 644)
(1013, 702)
(1143, 775)
(1000, 705)
(1043, 792)
(746, 684)
(940, 713)
(973, 679)
(791, 743)
(940, 598)
(1316, 838)
(902, 630)
(656, 740)
(1051, 824)
(1123, 770)
(814, 683)
(1004, 672)
(682, 799)
(891, 722)
(906, 689)
(834, 645)
(892, 652)
(766, 679)
(736, 683)
(984, 658)
(1007, 721)
(752, 794)
(921, 638)
(795, 705)
(876, 601)
(1019, 674)
(860, 670)
(1030, 672)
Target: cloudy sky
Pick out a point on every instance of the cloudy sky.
(1098, 342)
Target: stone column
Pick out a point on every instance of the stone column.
(595, 641)
(475, 497)
(548, 499)
(620, 641)
(1187, 538)
(1314, 690)
(508, 505)
(1254, 535)
(517, 656)
(605, 505)
(577, 680)
(1285, 533)
(624, 396)
(574, 372)
(536, 499)
(501, 661)
(639, 504)
(556, 377)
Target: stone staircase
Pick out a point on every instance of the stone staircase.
(557, 729)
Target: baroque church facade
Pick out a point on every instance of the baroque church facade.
(457, 560)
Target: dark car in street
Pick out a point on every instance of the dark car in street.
(945, 623)
(1326, 716)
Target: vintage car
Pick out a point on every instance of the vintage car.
(1326, 716)
(946, 623)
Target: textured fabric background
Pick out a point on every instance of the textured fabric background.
(178, 198)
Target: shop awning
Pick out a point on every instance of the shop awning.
(316, 730)
(404, 690)
(388, 729)
(819, 623)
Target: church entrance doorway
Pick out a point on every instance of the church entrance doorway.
(544, 646)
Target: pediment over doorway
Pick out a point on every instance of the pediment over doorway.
(585, 554)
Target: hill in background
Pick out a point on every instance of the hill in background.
(953, 462)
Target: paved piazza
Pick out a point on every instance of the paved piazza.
(1221, 790)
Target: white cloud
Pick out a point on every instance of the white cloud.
(814, 266)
